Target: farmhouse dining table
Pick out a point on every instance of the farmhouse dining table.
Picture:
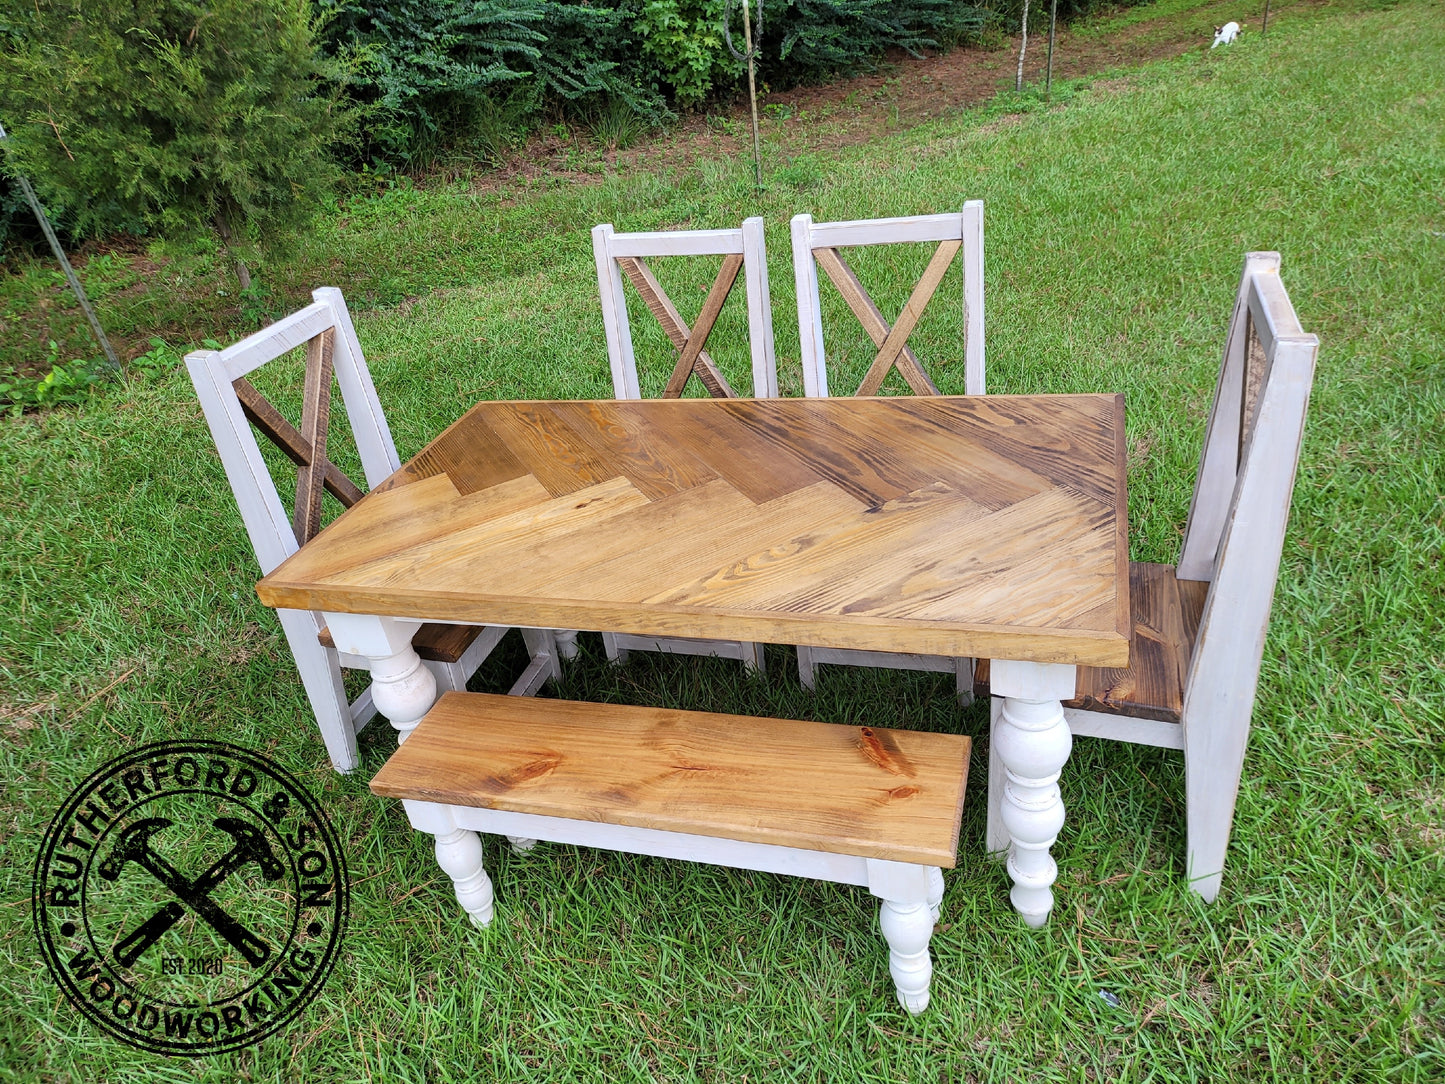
(974, 526)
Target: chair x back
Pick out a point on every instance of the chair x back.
(818, 244)
(619, 254)
(1199, 628)
(627, 253)
(232, 405)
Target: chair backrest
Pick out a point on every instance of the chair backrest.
(232, 405)
(817, 244)
(626, 253)
(1237, 518)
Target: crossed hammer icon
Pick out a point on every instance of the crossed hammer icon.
(134, 845)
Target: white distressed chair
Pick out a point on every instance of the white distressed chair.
(1199, 628)
(619, 254)
(817, 244)
(232, 405)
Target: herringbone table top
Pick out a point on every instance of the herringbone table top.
(992, 526)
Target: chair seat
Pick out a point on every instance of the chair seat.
(433, 642)
(895, 795)
(1165, 613)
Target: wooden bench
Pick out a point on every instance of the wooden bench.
(856, 805)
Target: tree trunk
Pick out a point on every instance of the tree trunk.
(243, 273)
(1023, 44)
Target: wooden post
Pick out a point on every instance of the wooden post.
(752, 93)
(1023, 45)
(1049, 77)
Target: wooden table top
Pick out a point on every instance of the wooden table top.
(991, 526)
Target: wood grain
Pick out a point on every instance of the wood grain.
(866, 791)
(984, 526)
(1165, 617)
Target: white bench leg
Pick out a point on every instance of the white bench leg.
(911, 895)
(935, 892)
(807, 672)
(459, 853)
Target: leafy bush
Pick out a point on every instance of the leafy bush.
(432, 73)
(808, 40)
(63, 382)
(171, 115)
(684, 40)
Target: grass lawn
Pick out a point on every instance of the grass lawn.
(1115, 227)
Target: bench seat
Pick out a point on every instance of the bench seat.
(858, 805)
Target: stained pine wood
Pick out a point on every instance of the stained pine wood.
(433, 642)
(274, 426)
(973, 526)
(866, 791)
(1165, 620)
(986, 526)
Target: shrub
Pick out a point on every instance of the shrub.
(176, 116)
(430, 73)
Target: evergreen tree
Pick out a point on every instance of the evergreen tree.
(173, 116)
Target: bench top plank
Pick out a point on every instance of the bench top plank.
(991, 526)
(866, 791)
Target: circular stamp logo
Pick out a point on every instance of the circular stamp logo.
(190, 897)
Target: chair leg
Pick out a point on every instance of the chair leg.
(541, 644)
(807, 672)
(615, 654)
(320, 673)
(963, 669)
(996, 841)
(451, 676)
(1213, 762)
(753, 658)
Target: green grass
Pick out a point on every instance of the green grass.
(1115, 228)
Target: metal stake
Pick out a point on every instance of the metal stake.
(75, 286)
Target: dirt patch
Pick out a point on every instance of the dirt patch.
(904, 92)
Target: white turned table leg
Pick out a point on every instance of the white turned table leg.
(402, 688)
(1033, 743)
(521, 844)
(566, 643)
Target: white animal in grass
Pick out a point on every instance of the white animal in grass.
(1225, 34)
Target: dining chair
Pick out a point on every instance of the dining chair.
(626, 254)
(232, 406)
(1199, 628)
(818, 244)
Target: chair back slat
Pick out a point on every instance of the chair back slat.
(1241, 374)
(315, 416)
(625, 254)
(816, 245)
(1224, 666)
